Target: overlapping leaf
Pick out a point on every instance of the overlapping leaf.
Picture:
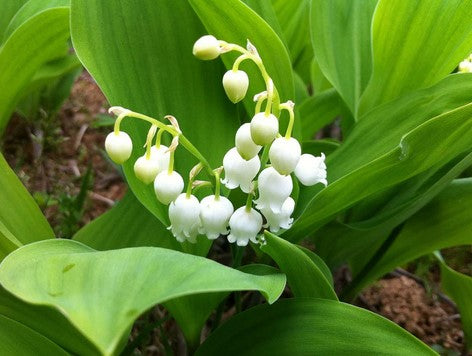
(311, 327)
(102, 293)
(415, 44)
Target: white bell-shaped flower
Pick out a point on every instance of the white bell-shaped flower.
(162, 156)
(311, 170)
(244, 226)
(284, 154)
(184, 215)
(146, 169)
(465, 66)
(238, 171)
(264, 128)
(235, 84)
(214, 215)
(118, 146)
(244, 143)
(206, 48)
(282, 219)
(168, 186)
(274, 189)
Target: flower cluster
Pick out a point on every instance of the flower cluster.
(466, 65)
(261, 164)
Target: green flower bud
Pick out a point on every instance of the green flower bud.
(235, 84)
(206, 48)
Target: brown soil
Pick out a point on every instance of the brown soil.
(55, 172)
(404, 301)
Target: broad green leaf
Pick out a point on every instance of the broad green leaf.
(356, 242)
(39, 40)
(192, 311)
(9, 9)
(415, 45)
(317, 78)
(304, 276)
(311, 327)
(102, 293)
(294, 20)
(141, 58)
(459, 287)
(266, 11)
(317, 147)
(445, 222)
(21, 220)
(372, 162)
(46, 321)
(222, 18)
(17, 339)
(341, 37)
(127, 224)
(318, 111)
(30, 9)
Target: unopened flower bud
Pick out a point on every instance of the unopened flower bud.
(264, 128)
(244, 143)
(284, 154)
(244, 225)
(282, 219)
(162, 156)
(238, 171)
(118, 146)
(184, 215)
(168, 186)
(311, 170)
(214, 215)
(206, 48)
(274, 189)
(235, 84)
(146, 169)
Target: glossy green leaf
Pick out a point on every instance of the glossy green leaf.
(46, 321)
(415, 44)
(191, 312)
(17, 339)
(304, 276)
(459, 287)
(30, 9)
(317, 147)
(318, 80)
(40, 39)
(221, 19)
(294, 21)
(341, 37)
(319, 111)
(367, 163)
(356, 242)
(445, 222)
(311, 327)
(141, 58)
(21, 220)
(102, 293)
(266, 11)
(129, 224)
(9, 9)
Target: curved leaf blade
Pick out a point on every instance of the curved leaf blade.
(141, 58)
(341, 38)
(415, 44)
(102, 293)
(305, 277)
(17, 339)
(311, 327)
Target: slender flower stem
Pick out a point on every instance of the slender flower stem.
(182, 139)
(249, 202)
(159, 137)
(289, 107)
(217, 185)
(171, 162)
(239, 60)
